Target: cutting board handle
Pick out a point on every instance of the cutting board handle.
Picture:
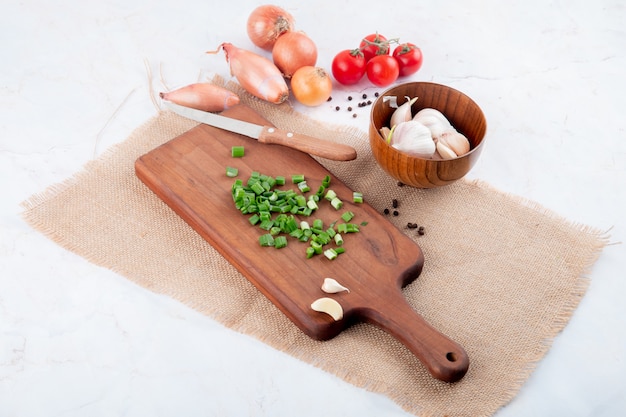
(445, 359)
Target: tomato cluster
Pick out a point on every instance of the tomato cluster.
(375, 58)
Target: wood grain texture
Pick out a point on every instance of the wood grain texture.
(462, 112)
(188, 173)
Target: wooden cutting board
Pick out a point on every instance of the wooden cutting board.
(189, 174)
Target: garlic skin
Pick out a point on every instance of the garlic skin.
(413, 138)
(331, 286)
(402, 113)
(328, 306)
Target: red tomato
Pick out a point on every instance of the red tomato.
(382, 70)
(348, 66)
(409, 58)
(374, 44)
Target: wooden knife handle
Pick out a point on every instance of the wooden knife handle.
(314, 146)
(444, 358)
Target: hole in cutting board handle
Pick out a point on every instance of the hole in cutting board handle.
(451, 356)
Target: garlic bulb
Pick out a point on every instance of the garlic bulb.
(402, 113)
(452, 144)
(413, 138)
(444, 151)
(428, 111)
(331, 286)
(434, 120)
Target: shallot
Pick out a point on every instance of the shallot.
(292, 51)
(256, 74)
(202, 96)
(266, 23)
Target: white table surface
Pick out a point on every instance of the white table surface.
(76, 78)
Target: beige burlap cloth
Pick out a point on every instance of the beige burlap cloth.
(502, 275)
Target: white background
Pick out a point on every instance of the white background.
(76, 77)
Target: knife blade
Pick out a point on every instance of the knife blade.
(268, 134)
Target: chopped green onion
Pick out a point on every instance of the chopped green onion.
(254, 219)
(231, 172)
(280, 242)
(339, 250)
(257, 188)
(330, 194)
(303, 186)
(266, 240)
(336, 203)
(338, 239)
(330, 254)
(297, 178)
(318, 224)
(357, 197)
(312, 204)
(280, 180)
(266, 224)
(304, 225)
(347, 216)
(317, 247)
(326, 181)
(237, 151)
(310, 252)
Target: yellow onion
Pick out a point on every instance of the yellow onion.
(311, 86)
(292, 51)
(266, 23)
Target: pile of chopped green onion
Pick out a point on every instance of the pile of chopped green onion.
(274, 210)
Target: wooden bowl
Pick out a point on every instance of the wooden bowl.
(462, 112)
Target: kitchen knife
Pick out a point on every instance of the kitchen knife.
(268, 134)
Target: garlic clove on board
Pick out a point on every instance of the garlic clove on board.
(456, 141)
(413, 138)
(328, 306)
(331, 286)
(402, 113)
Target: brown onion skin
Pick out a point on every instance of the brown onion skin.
(292, 51)
(266, 23)
(202, 96)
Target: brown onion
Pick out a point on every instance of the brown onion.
(292, 51)
(266, 23)
(202, 96)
